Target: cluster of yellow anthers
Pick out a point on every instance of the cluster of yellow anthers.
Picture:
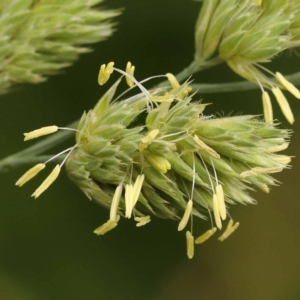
(282, 101)
(132, 191)
(39, 167)
(219, 210)
(104, 74)
(276, 88)
(107, 70)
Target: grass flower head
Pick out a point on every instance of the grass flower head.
(142, 159)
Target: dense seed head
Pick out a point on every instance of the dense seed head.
(109, 153)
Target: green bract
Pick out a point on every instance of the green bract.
(39, 37)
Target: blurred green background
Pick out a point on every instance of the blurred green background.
(47, 247)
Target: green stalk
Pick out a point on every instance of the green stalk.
(193, 68)
(238, 86)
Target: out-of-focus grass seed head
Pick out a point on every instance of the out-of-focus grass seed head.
(38, 38)
(245, 33)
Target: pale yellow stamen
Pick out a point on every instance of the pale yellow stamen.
(130, 70)
(190, 245)
(206, 148)
(221, 201)
(175, 84)
(159, 163)
(278, 148)
(258, 170)
(40, 132)
(30, 174)
(105, 72)
(128, 200)
(186, 215)
(148, 139)
(267, 105)
(142, 220)
(283, 159)
(109, 225)
(205, 236)
(217, 212)
(288, 85)
(115, 203)
(229, 230)
(132, 193)
(264, 188)
(164, 98)
(284, 105)
(137, 188)
(47, 182)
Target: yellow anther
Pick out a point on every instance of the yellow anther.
(205, 236)
(186, 215)
(217, 212)
(142, 220)
(221, 201)
(148, 139)
(284, 105)
(283, 159)
(47, 182)
(258, 2)
(109, 225)
(160, 163)
(128, 200)
(264, 188)
(175, 84)
(288, 85)
(189, 245)
(267, 105)
(137, 189)
(132, 193)
(30, 174)
(130, 70)
(164, 98)
(40, 132)
(258, 170)
(229, 230)
(206, 148)
(115, 203)
(279, 148)
(105, 72)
